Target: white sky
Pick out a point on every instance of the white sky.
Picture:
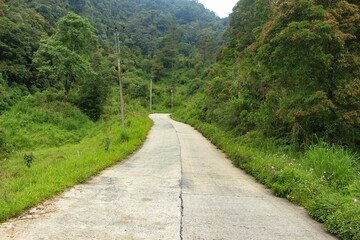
(222, 8)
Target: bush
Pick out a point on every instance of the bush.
(28, 159)
(285, 180)
(92, 98)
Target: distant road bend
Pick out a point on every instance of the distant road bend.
(177, 186)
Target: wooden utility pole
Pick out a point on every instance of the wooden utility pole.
(117, 44)
(151, 83)
(172, 99)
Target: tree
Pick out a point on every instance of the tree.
(76, 34)
(307, 57)
(93, 92)
(20, 32)
(77, 6)
(56, 63)
(63, 57)
(169, 49)
(1, 8)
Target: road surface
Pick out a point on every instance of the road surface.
(177, 186)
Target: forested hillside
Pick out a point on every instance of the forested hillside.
(157, 37)
(66, 49)
(289, 70)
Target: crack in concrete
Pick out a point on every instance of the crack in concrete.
(181, 212)
(181, 188)
(181, 195)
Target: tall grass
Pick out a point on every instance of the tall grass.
(332, 163)
(37, 122)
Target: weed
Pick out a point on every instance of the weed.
(284, 181)
(325, 204)
(239, 159)
(29, 159)
(107, 143)
(124, 137)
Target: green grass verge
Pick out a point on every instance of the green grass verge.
(325, 179)
(56, 168)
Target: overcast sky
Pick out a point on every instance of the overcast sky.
(221, 7)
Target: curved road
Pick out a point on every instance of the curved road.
(177, 186)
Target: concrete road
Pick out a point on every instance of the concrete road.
(177, 186)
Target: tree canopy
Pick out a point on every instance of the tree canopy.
(291, 63)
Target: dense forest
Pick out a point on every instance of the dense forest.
(276, 78)
(157, 37)
(289, 71)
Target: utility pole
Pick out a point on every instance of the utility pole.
(117, 44)
(151, 83)
(172, 99)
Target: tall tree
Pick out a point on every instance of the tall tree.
(59, 66)
(76, 34)
(63, 56)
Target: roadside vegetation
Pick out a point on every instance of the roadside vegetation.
(50, 147)
(324, 178)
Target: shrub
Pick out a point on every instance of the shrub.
(28, 159)
(285, 181)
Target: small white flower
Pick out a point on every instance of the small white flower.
(355, 200)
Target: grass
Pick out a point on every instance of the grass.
(65, 148)
(325, 179)
(38, 122)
